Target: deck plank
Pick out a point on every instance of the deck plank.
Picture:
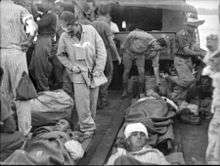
(108, 123)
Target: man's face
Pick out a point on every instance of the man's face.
(212, 45)
(75, 28)
(62, 125)
(191, 28)
(136, 141)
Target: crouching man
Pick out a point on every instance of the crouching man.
(137, 46)
(137, 151)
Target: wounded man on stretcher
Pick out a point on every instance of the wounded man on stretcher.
(148, 124)
(50, 145)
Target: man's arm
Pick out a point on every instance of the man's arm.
(191, 52)
(126, 42)
(62, 55)
(101, 54)
(114, 49)
(155, 64)
(111, 42)
(185, 45)
(28, 20)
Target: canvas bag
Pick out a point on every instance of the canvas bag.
(25, 89)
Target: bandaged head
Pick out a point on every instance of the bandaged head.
(135, 127)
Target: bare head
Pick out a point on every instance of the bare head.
(62, 125)
(212, 42)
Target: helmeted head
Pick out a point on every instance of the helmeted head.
(192, 22)
(136, 136)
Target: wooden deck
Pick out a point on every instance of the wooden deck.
(108, 122)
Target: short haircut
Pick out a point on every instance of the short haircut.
(104, 9)
(68, 17)
(212, 37)
(162, 42)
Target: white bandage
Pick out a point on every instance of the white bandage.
(135, 127)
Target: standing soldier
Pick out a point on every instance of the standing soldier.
(137, 46)
(183, 60)
(14, 40)
(104, 31)
(40, 65)
(82, 51)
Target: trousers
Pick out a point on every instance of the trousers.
(86, 103)
(14, 63)
(213, 149)
(183, 80)
(103, 91)
(128, 58)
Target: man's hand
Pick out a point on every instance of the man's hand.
(75, 69)
(119, 60)
(96, 73)
(31, 27)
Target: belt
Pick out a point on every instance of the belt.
(183, 56)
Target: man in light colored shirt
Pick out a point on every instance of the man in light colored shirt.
(14, 19)
(82, 51)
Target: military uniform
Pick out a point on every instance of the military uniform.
(183, 65)
(89, 54)
(137, 45)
